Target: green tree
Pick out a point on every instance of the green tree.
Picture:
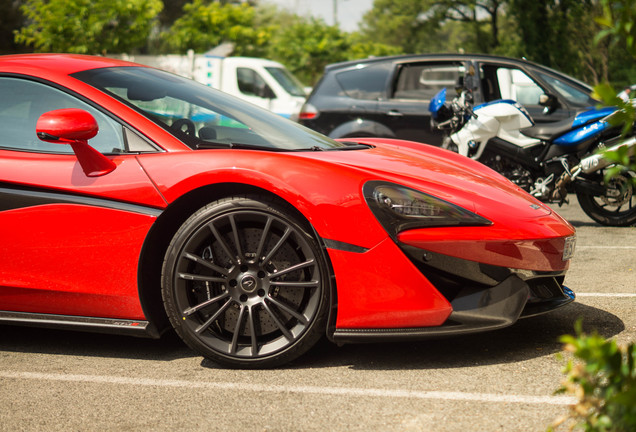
(12, 20)
(472, 12)
(560, 34)
(406, 24)
(87, 26)
(424, 25)
(305, 46)
(361, 47)
(205, 25)
(617, 22)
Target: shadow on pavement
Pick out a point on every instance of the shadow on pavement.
(527, 339)
(73, 343)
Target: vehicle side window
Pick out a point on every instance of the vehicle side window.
(573, 95)
(250, 83)
(367, 83)
(24, 101)
(517, 85)
(423, 81)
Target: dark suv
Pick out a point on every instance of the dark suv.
(389, 96)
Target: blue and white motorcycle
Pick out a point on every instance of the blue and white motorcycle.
(548, 160)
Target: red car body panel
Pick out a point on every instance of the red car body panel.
(383, 292)
(72, 260)
(127, 183)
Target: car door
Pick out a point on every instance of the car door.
(70, 242)
(413, 86)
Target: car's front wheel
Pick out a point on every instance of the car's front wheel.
(246, 284)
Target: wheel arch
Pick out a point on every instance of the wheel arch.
(166, 226)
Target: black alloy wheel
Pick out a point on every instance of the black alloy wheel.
(616, 206)
(245, 283)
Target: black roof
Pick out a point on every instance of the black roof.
(451, 56)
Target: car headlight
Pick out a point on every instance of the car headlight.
(399, 208)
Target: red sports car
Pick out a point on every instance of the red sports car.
(133, 200)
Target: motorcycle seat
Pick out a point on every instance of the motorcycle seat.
(548, 131)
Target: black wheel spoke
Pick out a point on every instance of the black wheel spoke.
(202, 278)
(205, 304)
(293, 268)
(254, 339)
(264, 235)
(303, 284)
(301, 318)
(237, 241)
(237, 330)
(205, 263)
(280, 325)
(235, 260)
(278, 245)
(214, 317)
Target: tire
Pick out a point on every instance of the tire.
(245, 284)
(616, 206)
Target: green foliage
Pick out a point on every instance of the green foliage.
(87, 26)
(625, 115)
(618, 23)
(603, 381)
(205, 25)
(618, 20)
(360, 47)
(12, 21)
(405, 24)
(307, 45)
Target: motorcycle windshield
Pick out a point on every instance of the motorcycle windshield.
(437, 102)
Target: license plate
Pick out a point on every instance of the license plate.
(568, 248)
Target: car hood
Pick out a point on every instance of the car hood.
(443, 174)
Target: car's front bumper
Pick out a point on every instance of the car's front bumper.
(479, 296)
(477, 310)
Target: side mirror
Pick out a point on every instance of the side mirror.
(549, 102)
(74, 127)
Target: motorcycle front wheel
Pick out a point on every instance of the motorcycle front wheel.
(615, 205)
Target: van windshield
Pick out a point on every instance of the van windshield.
(200, 116)
(287, 81)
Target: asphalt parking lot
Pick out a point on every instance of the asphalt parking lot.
(499, 381)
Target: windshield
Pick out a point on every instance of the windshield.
(287, 81)
(200, 116)
(575, 96)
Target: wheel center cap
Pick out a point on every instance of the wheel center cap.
(248, 283)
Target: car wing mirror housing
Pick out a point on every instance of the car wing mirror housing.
(74, 127)
(549, 102)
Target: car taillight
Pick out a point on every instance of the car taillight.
(308, 112)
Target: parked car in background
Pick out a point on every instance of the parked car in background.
(389, 96)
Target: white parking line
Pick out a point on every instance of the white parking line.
(332, 391)
(606, 247)
(614, 295)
